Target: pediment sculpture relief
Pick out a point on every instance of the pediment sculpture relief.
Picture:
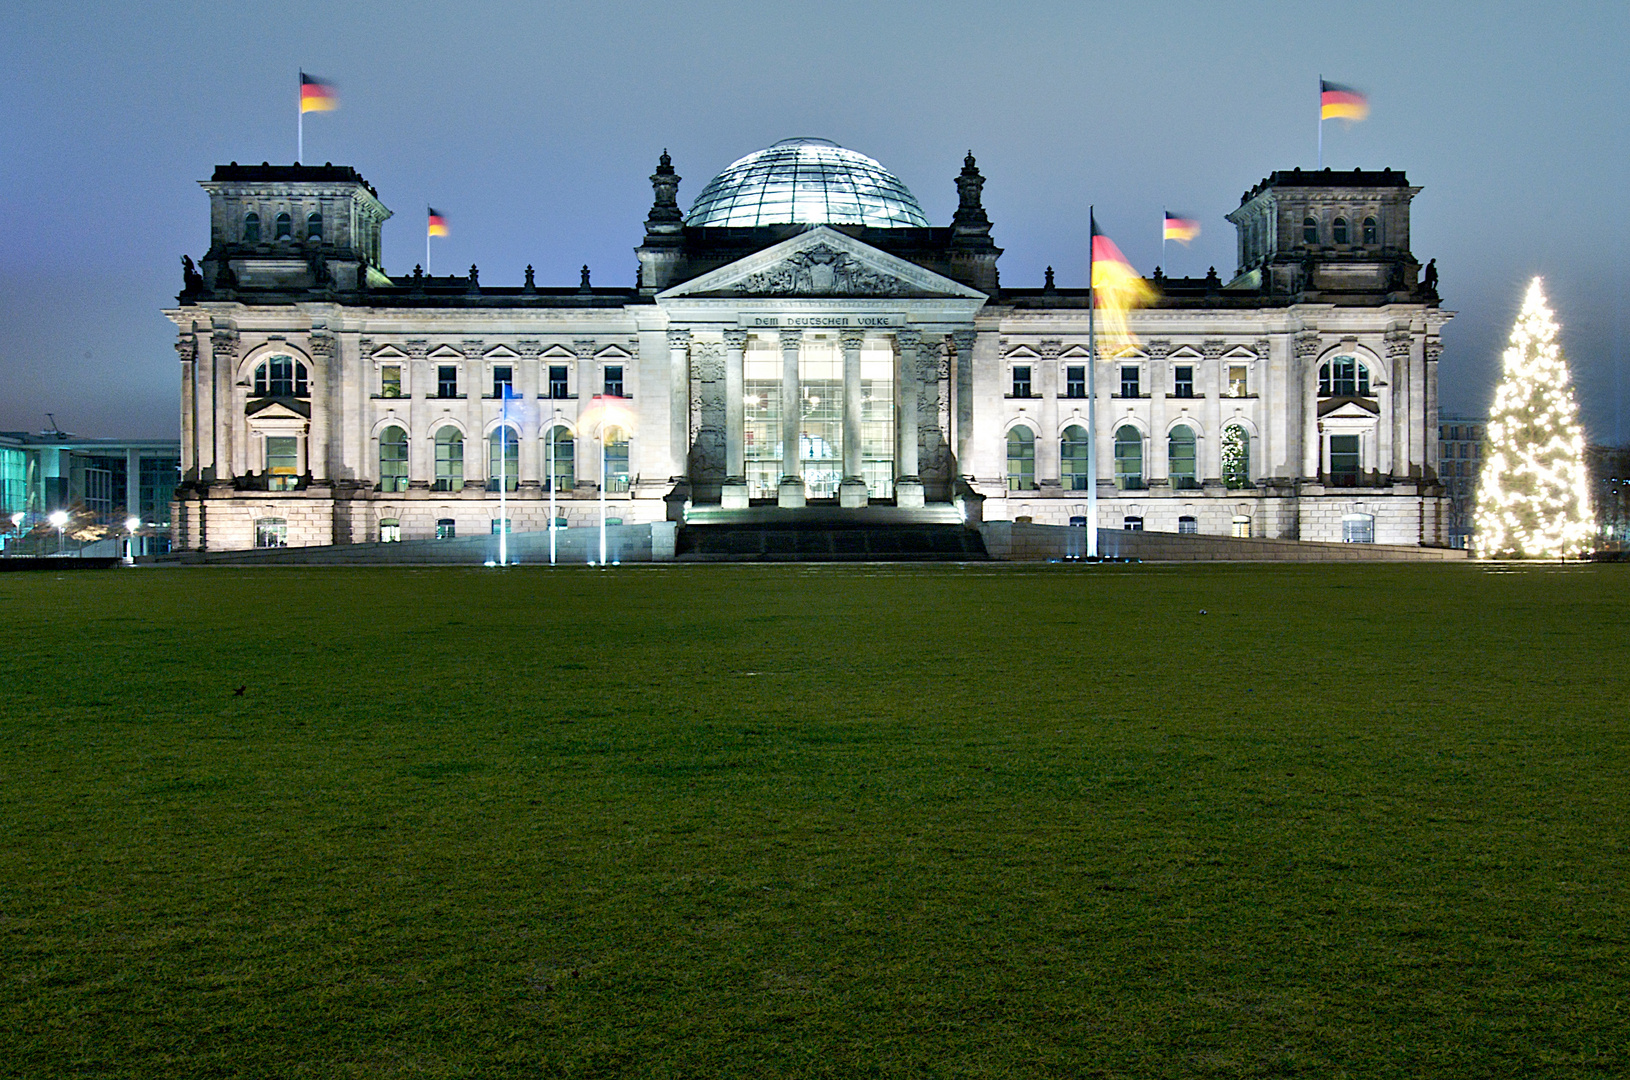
(823, 271)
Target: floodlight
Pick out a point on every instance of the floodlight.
(58, 519)
(132, 524)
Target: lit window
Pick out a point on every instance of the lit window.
(446, 529)
(503, 458)
(1128, 457)
(614, 380)
(1338, 230)
(1073, 459)
(1371, 233)
(1358, 529)
(449, 459)
(1075, 382)
(1021, 380)
(1236, 457)
(507, 522)
(1021, 459)
(390, 380)
(1188, 524)
(1129, 380)
(1180, 457)
(1310, 230)
(390, 531)
(503, 382)
(285, 226)
(282, 462)
(447, 381)
(1242, 526)
(314, 226)
(280, 376)
(557, 381)
(1344, 460)
(271, 533)
(393, 459)
(616, 462)
(1183, 381)
(251, 228)
(1344, 376)
(1236, 379)
(562, 464)
(1132, 524)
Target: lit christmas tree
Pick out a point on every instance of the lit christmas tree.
(1533, 497)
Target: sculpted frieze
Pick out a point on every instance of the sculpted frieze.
(822, 271)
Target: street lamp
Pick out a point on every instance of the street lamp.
(131, 525)
(59, 520)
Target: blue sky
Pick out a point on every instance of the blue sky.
(533, 127)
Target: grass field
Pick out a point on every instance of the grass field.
(1322, 821)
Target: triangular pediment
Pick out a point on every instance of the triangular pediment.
(264, 412)
(822, 263)
(1348, 409)
(445, 352)
(501, 352)
(558, 352)
(389, 352)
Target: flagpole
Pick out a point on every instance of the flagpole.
(300, 123)
(1092, 390)
(554, 412)
(426, 239)
(1321, 122)
(602, 490)
(503, 481)
(1162, 236)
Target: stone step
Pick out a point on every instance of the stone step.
(825, 542)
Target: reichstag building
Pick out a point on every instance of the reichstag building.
(803, 337)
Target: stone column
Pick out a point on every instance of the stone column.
(223, 361)
(324, 388)
(908, 486)
(963, 339)
(791, 490)
(1304, 379)
(523, 411)
(1217, 385)
(733, 496)
(852, 492)
(187, 348)
(679, 403)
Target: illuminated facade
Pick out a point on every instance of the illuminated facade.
(802, 338)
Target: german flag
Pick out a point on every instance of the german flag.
(317, 95)
(1111, 272)
(1116, 289)
(1338, 102)
(435, 225)
(1181, 229)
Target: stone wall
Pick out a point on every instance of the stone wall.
(624, 544)
(1040, 543)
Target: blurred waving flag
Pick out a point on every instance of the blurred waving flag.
(1338, 102)
(1179, 228)
(1116, 289)
(317, 95)
(436, 224)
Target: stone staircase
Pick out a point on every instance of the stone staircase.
(828, 534)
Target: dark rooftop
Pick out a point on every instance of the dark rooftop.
(1327, 178)
(327, 172)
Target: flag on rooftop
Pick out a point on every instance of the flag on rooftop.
(1179, 228)
(1116, 289)
(317, 95)
(436, 224)
(1340, 102)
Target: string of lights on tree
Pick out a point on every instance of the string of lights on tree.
(1533, 496)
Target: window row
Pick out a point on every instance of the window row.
(282, 226)
(503, 460)
(556, 386)
(1181, 458)
(1340, 235)
(1131, 381)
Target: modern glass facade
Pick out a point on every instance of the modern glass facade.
(761, 417)
(808, 181)
(820, 418)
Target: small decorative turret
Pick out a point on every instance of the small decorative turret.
(530, 286)
(475, 280)
(970, 220)
(665, 218)
(1050, 287)
(583, 286)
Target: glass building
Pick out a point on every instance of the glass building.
(809, 182)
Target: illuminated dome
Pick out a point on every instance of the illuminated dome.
(806, 181)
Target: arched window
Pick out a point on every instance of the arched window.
(285, 226)
(449, 459)
(1073, 459)
(503, 458)
(393, 459)
(1338, 230)
(563, 464)
(616, 449)
(1180, 458)
(251, 228)
(1372, 235)
(1310, 230)
(1128, 457)
(314, 226)
(1344, 376)
(1021, 459)
(281, 376)
(1236, 457)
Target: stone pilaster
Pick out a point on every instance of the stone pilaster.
(791, 489)
(852, 488)
(908, 487)
(733, 495)
(678, 397)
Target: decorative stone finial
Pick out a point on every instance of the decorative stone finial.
(1050, 287)
(970, 220)
(475, 279)
(665, 216)
(583, 286)
(529, 284)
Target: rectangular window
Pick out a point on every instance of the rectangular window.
(1236, 380)
(1344, 460)
(1183, 381)
(1021, 380)
(390, 531)
(446, 529)
(614, 380)
(1132, 524)
(557, 380)
(1129, 380)
(503, 382)
(282, 462)
(507, 523)
(1075, 382)
(447, 381)
(271, 532)
(1188, 524)
(390, 380)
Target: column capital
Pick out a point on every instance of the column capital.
(735, 339)
(964, 339)
(791, 338)
(907, 338)
(678, 339)
(852, 339)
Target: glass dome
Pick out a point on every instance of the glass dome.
(806, 181)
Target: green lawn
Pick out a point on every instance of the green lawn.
(1129, 821)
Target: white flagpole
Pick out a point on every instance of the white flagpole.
(427, 240)
(1092, 391)
(300, 124)
(1321, 122)
(503, 482)
(551, 453)
(602, 493)
(1163, 236)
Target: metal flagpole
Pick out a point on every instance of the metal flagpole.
(602, 492)
(1092, 390)
(300, 124)
(1162, 236)
(426, 239)
(503, 481)
(551, 453)
(1321, 122)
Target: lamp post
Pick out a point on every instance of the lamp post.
(59, 519)
(131, 525)
(17, 520)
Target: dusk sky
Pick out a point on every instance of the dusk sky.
(534, 126)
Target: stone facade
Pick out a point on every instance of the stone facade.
(326, 402)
